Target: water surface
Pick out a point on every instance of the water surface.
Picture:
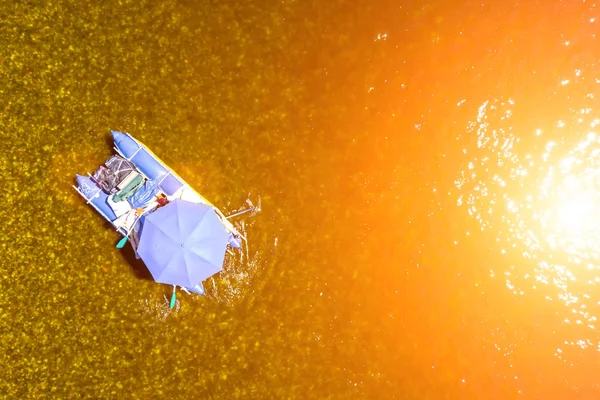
(428, 178)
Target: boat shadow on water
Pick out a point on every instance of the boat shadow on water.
(137, 266)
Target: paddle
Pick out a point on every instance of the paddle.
(174, 297)
(123, 241)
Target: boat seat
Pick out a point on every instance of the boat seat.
(128, 186)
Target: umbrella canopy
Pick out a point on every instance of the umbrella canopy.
(183, 243)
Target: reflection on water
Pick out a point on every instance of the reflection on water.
(538, 193)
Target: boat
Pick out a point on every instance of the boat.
(133, 184)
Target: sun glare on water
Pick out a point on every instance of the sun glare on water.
(575, 211)
(541, 201)
(570, 217)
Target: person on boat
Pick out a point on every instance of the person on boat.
(162, 200)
